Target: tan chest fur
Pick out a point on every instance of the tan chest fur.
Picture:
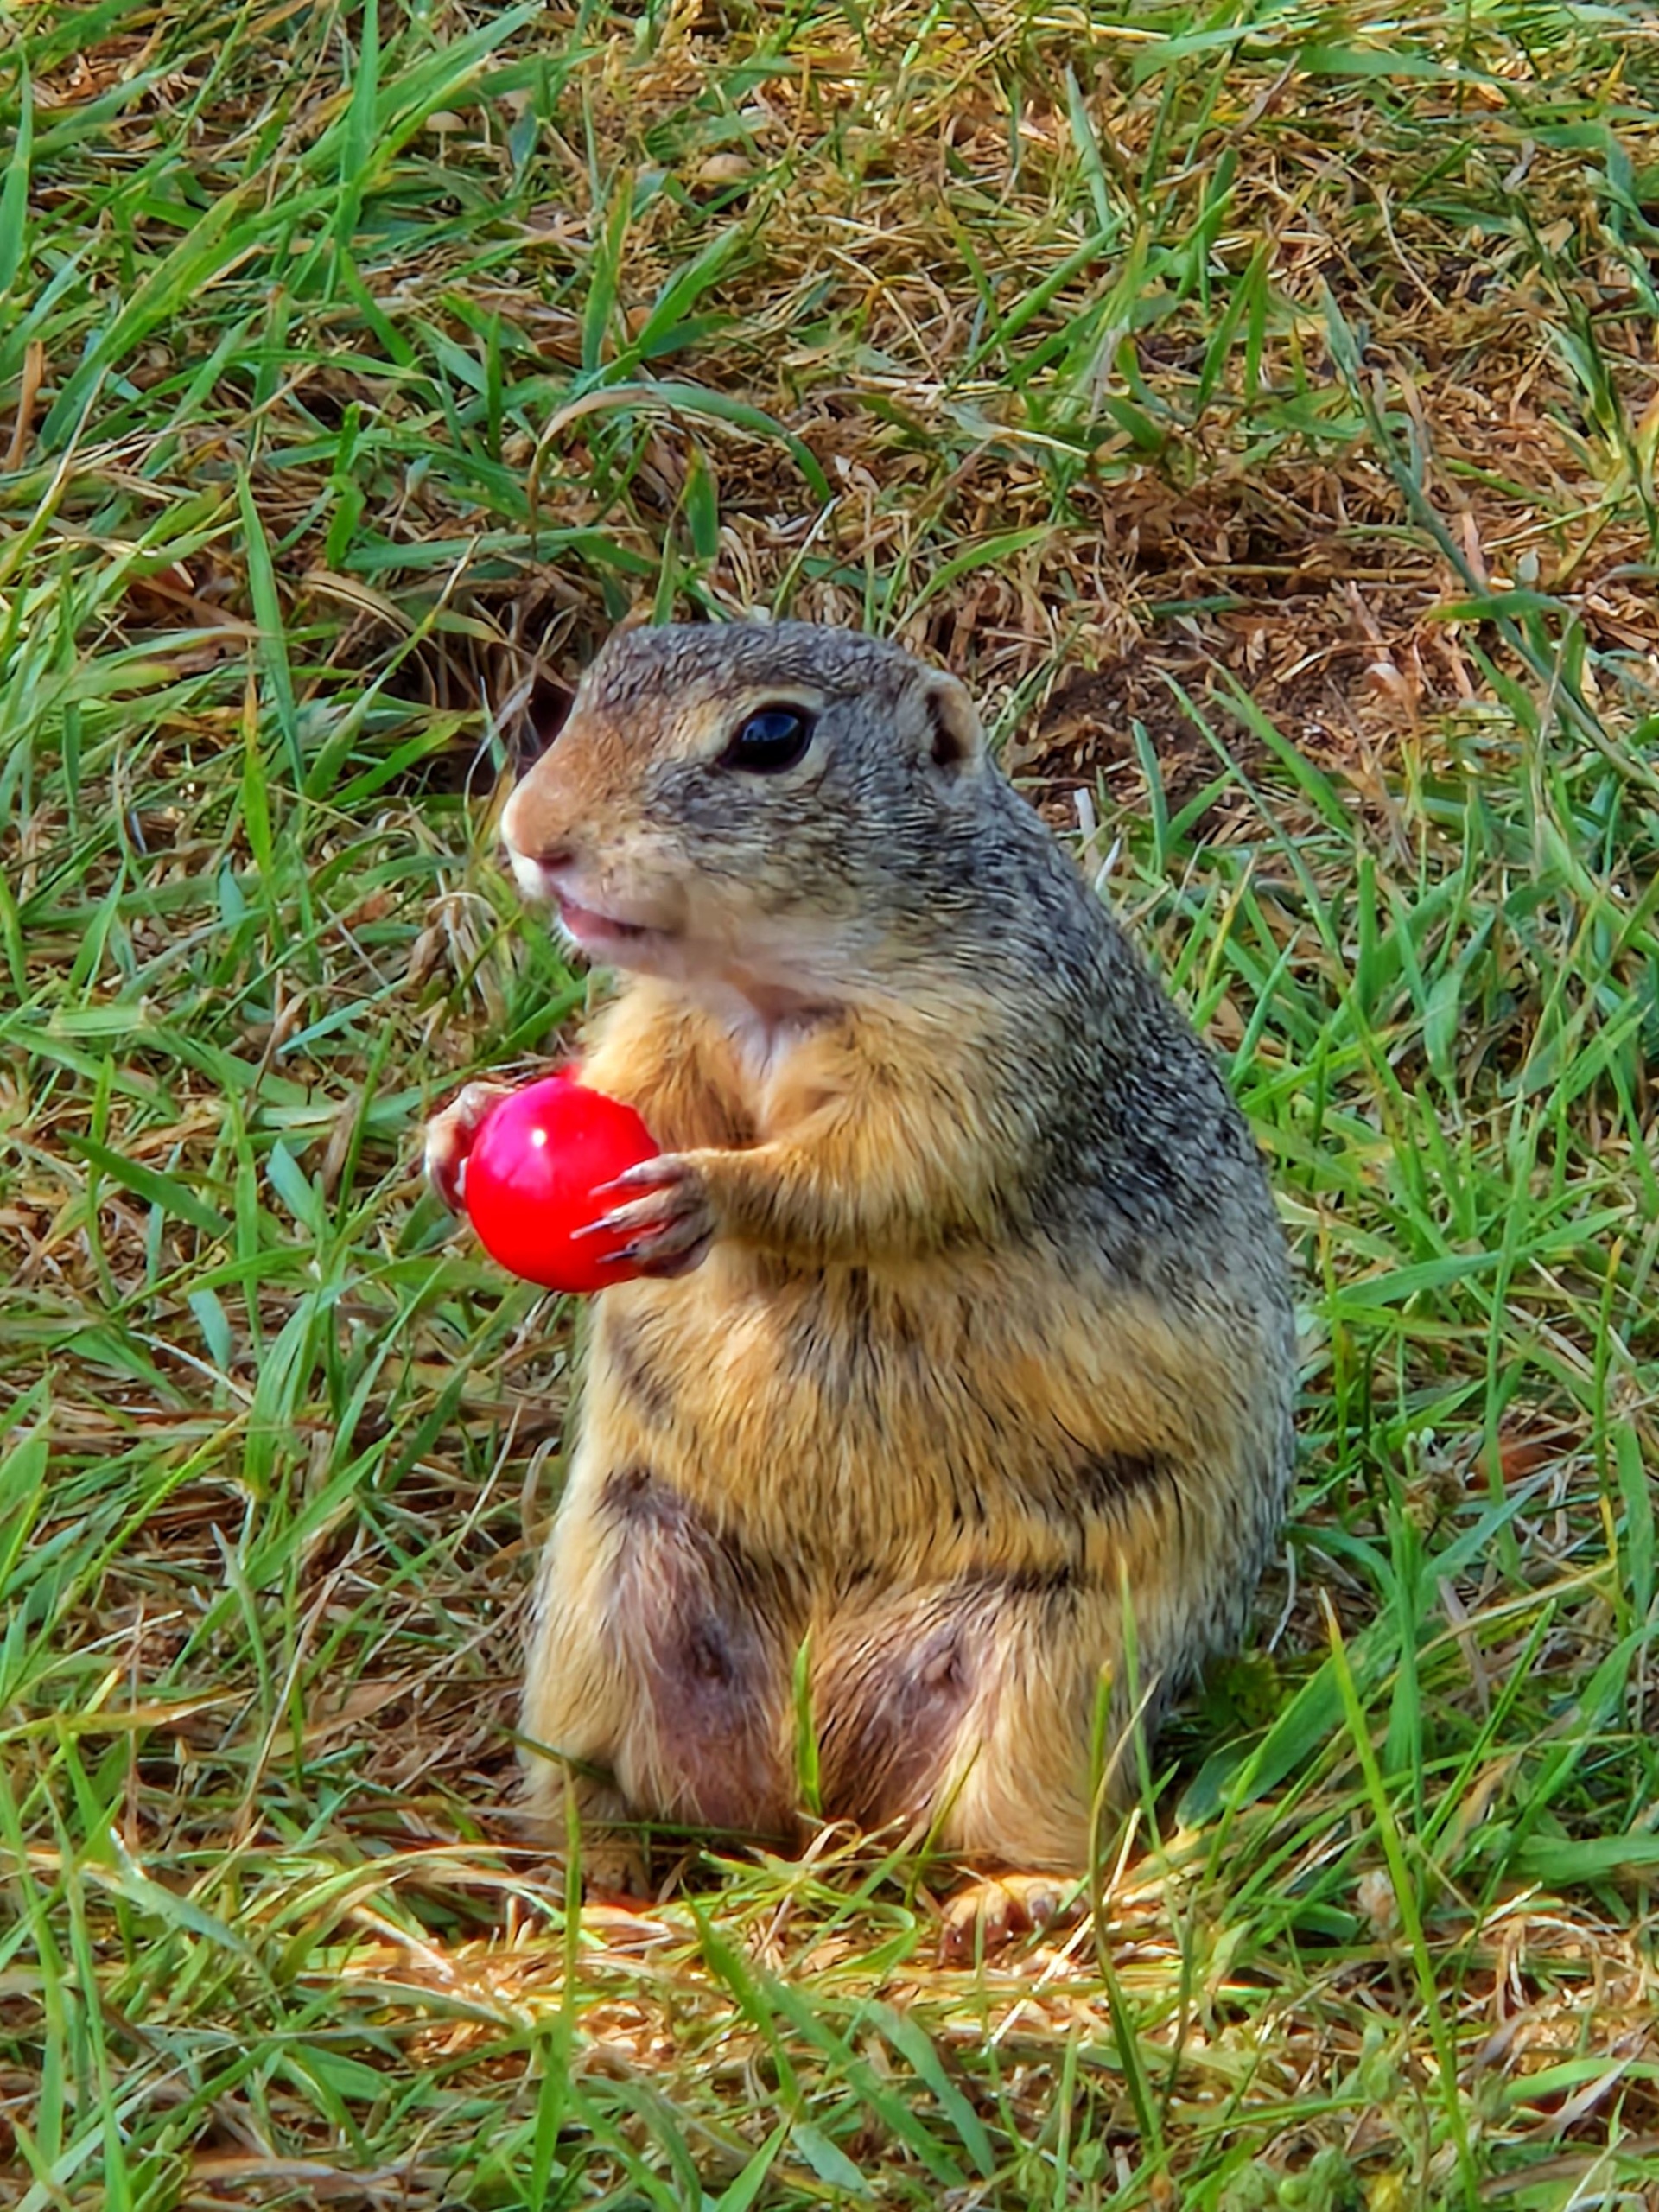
(947, 1413)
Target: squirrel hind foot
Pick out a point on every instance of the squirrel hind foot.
(993, 1911)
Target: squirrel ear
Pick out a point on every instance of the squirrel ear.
(957, 740)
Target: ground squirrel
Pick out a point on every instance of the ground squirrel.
(968, 1314)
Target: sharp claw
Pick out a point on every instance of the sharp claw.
(644, 1177)
(618, 1222)
(672, 1249)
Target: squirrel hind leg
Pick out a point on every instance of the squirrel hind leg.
(970, 1706)
(892, 1682)
(696, 1632)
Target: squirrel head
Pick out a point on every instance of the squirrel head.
(777, 805)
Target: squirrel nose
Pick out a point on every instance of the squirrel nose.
(528, 840)
(551, 857)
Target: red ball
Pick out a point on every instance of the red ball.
(531, 1173)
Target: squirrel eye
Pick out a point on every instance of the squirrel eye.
(769, 741)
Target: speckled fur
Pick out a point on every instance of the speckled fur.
(995, 1324)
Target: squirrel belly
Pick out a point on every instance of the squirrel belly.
(968, 1366)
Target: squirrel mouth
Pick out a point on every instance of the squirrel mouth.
(589, 926)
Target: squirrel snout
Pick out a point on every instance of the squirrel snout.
(538, 857)
(552, 859)
(528, 839)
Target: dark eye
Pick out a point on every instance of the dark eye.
(769, 741)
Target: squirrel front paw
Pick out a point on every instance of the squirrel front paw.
(670, 1230)
(450, 1136)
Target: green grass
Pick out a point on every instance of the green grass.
(1258, 406)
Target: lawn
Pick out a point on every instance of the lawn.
(1258, 406)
